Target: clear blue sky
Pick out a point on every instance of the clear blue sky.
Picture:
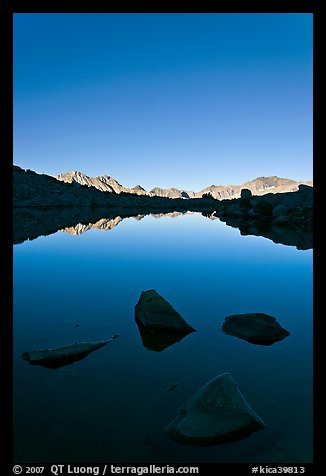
(185, 100)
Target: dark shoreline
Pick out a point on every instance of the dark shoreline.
(44, 205)
(30, 223)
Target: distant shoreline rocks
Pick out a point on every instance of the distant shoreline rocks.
(285, 218)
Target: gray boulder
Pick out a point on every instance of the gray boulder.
(153, 311)
(256, 328)
(245, 193)
(217, 413)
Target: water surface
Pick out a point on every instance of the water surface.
(113, 405)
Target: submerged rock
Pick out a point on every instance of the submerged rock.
(63, 355)
(256, 328)
(154, 312)
(160, 339)
(172, 387)
(217, 413)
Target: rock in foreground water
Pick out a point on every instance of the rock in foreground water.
(63, 355)
(217, 413)
(158, 340)
(256, 328)
(153, 311)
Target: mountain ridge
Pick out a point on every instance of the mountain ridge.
(258, 186)
(43, 205)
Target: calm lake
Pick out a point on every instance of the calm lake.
(113, 405)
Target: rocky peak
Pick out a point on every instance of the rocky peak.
(138, 187)
(258, 186)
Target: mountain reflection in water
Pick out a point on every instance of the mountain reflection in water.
(115, 403)
(31, 223)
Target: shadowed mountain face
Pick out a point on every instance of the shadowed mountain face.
(34, 190)
(258, 186)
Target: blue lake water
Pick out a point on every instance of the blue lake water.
(113, 405)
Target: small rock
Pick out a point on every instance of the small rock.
(171, 387)
(153, 311)
(256, 328)
(63, 355)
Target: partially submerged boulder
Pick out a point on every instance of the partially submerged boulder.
(256, 328)
(159, 339)
(154, 312)
(217, 413)
(63, 355)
